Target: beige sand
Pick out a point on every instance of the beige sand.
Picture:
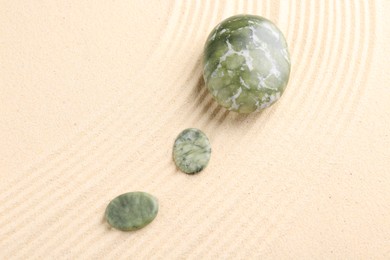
(93, 94)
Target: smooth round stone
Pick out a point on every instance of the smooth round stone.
(246, 63)
(191, 151)
(131, 211)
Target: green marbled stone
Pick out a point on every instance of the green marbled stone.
(191, 151)
(246, 63)
(131, 211)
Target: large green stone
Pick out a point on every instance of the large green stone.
(191, 151)
(131, 211)
(246, 63)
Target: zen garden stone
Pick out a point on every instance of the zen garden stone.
(191, 151)
(246, 63)
(131, 211)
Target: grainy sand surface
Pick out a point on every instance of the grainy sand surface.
(94, 93)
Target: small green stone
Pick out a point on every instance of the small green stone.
(131, 211)
(246, 63)
(191, 151)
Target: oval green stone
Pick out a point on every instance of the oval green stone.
(131, 211)
(246, 63)
(191, 151)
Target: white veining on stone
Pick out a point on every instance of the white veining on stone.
(244, 83)
(236, 106)
(249, 60)
(285, 55)
(268, 100)
(272, 30)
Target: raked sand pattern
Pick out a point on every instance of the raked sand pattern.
(94, 93)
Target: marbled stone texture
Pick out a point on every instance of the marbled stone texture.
(246, 63)
(131, 211)
(191, 151)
